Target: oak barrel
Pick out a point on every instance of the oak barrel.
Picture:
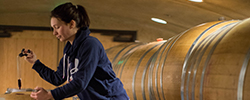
(207, 62)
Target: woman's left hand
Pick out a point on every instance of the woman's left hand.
(41, 94)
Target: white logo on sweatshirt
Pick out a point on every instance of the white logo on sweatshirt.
(74, 70)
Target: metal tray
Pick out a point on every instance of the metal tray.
(12, 90)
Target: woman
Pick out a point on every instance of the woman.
(84, 65)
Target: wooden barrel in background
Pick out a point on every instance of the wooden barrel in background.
(206, 62)
(133, 57)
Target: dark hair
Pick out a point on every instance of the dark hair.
(67, 12)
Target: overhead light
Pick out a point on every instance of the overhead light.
(196, 0)
(159, 20)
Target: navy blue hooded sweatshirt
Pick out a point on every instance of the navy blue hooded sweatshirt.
(86, 68)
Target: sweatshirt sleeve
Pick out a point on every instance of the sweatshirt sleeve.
(89, 53)
(51, 76)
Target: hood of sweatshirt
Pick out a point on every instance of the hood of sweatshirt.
(81, 35)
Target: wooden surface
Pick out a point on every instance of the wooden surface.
(45, 46)
(16, 96)
(23, 96)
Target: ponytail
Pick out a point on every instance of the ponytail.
(84, 19)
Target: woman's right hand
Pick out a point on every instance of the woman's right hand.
(31, 56)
